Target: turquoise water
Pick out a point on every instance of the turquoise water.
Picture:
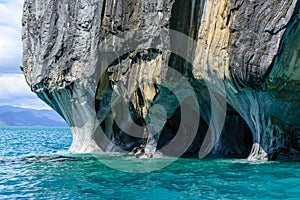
(34, 164)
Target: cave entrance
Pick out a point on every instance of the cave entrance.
(236, 139)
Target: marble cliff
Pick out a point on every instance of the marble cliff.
(128, 75)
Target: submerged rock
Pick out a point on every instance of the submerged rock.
(181, 77)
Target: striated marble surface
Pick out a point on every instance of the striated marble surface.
(169, 77)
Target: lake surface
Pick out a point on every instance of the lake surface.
(34, 164)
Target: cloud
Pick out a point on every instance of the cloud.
(10, 35)
(14, 91)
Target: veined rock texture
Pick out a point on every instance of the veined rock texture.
(179, 77)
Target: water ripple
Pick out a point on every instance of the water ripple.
(35, 169)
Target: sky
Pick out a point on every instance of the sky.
(13, 88)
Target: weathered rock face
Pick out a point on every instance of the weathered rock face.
(169, 75)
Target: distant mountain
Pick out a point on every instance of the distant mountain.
(15, 116)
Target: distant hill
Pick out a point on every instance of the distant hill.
(15, 116)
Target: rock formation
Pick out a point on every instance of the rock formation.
(169, 77)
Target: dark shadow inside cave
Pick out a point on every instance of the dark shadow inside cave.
(236, 139)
